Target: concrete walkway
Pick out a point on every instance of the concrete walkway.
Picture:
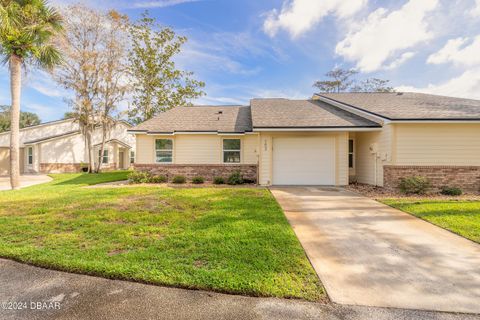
(367, 253)
(71, 296)
(26, 180)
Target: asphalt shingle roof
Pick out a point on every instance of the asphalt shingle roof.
(285, 113)
(200, 118)
(411, 106)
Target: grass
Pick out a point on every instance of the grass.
(226, 240)
(461, 217)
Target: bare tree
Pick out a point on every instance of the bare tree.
(373, 85)
(94, 49)
(339, 80)
(113, 74)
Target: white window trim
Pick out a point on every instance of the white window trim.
(102, 157)
(229, 150)
(130, 157)
(28, 156)
(351, 153)
(155, 149)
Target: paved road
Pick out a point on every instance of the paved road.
(367, 253)
(25, 180)
(85, 297)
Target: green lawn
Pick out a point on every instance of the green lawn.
(461, 217)
(234, 240)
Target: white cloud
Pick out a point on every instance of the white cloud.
(299, 16)
(43, 83)
(459, 52)
(213, 62)
(404, 57)
(467, 85)
(384, 35)
(475, 12)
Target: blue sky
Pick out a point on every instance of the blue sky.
(250, 48)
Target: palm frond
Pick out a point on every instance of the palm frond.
(48, 57)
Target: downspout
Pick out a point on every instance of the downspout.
(375, 166)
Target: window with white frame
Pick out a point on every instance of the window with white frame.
(104, 159)
(132, 156)
(231, 150)
(350, 153)
(163, 150)
(30, 155)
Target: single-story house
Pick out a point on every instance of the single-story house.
(59, 146)
(331, 139)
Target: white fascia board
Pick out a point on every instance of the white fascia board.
(435, 121)
(316, 129)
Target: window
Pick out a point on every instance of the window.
(163, 150)
(105, 156)
(350, 153)
(231, 150)
(132, 156)
(30, 155)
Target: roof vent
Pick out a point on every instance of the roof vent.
(399, 93)
(220, 112)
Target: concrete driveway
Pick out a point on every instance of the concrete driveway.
(25, 180)
(367, 253)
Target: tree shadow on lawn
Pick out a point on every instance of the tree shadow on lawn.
(92, 178)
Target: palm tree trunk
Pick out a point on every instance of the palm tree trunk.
(15, 87)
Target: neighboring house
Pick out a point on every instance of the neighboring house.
(59, 146)
(373, 138)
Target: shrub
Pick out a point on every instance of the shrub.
(139, 177)
(451, 191)
(198, 180)
(414, 185)
(179, 179)
(158, 179)
(218, 180)
(249, 181)
(235, 178)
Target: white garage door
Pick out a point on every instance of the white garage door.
(304, 161)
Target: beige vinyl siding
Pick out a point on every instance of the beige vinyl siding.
(438, 144)
(365, 159)
(341, 154)
(145, 148)
(196, 148)
(266, 159)
(250, 149)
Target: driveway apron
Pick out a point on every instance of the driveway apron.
(367, 253)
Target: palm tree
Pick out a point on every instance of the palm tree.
(27, 28)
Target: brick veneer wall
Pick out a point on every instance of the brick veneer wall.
(207, 171)
(465, 177)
